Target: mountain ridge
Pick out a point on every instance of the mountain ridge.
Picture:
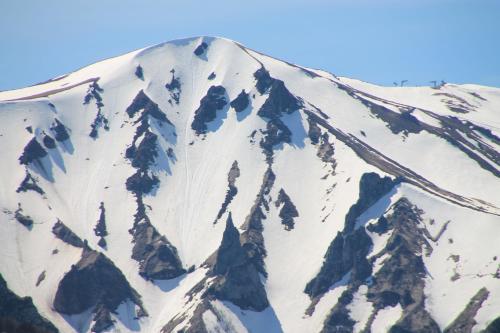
(149, 157)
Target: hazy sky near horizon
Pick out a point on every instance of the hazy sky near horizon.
(377, 41)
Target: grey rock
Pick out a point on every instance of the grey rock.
(94, 282)
(21, 312)
(32, 152)
(61, 231)
(214, 100)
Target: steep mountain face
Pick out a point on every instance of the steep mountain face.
(200, 186)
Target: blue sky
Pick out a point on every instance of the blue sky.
(379, 41)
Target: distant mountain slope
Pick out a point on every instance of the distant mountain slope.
(201, 186)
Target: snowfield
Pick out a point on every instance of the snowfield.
(441, 145)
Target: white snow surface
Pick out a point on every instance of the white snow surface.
(82, 172)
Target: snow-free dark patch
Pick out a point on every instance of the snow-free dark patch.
(214, 100)
(241, 102)
(32, 151)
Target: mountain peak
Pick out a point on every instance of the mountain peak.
(328, 188)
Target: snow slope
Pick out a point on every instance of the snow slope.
(444, 144)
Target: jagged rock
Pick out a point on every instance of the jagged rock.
(195, 324)
(214, 100)
(94, 93)
(288, 211)
(102, 319)
(139, 72)
(326, 150)
(230, 252)
(237, 279)
(60, 131)
(397, 122)
(264, 80)
(145, 154)
(143, 102)
(48, 142)
(61, 231)
(339, 319)
(174, 87)
(493, 327)
(40, 278)
(94, 282)
(252, 239)
(241, 102)
(401, 278)
(99, 121)
(280, 101)
(380, 227)
(276, 133)
(158, 259)
(141, 182)
(33, 151)
(211, 76)
(200, 49)
(29, 184)
(372, 187)
(19, 314)
(100, 228)
(465, 320)
(350, 247)
(347, 253)
(314, 131)
(25, 220)
(232, 190)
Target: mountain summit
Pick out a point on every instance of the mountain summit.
(201, 186)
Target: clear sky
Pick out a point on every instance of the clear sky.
(379, 41)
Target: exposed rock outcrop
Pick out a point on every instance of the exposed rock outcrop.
(279, 101)
(139, 72)
(32, 152)
(60, 131)
(100, 229)
(25, 220)
(252, 239)
(236, 277)
(465, 320)
(232, 190)
(29, 183)
(493, 327)
(201, 49)
(264, 80)
(350, 247)
(158, 259)
(94, 282)
(61, 231)
(141, 182)
(19, 314)
(241, 102)
(94, 93)
(148, 107)
(214, 100)
(48, 142)
(174, 87)
(400, 280)
(288, 210)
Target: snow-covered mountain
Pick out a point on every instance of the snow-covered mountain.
(201, 186)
